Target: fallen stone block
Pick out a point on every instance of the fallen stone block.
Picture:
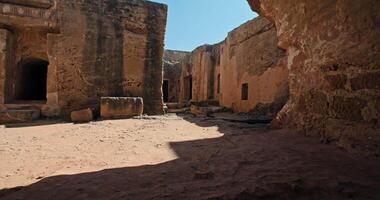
(121, 107)
(18, 116)
(82, 116)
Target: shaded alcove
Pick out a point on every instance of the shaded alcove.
(165, 90)
(188, 87)
(32, 80)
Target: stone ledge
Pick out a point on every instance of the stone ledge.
(18, 116)
(121, 107)
(30, 3)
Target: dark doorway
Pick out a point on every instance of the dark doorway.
(218, 86)
(244, 91)
(188, 88)
(165, 89)
(32, 82)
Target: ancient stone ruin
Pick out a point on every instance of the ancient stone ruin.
(59, 56)
(333, 52)
(250, 117)
(225, 74)
(323, 65)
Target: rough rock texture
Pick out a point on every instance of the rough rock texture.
(199, 68)
(93, 49)
(121, 107)
(218, 72)
(18, 116)
(172, 72)
(84, 115)
(250, 56)
(334, 60)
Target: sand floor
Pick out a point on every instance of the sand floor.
(177, 157)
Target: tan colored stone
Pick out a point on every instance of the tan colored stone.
(18, 116)
(121, 107)
(91, 49)
(333, 53)
(84, 115)
(249, 55)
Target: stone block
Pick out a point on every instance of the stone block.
(18, 116)
(121, 107)
(84, 115)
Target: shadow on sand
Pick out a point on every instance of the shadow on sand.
(248, 162)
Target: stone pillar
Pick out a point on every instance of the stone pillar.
(5, 60)
(52, 108)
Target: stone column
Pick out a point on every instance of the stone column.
(52, 108)
(5, 60)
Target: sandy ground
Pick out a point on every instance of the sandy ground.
(177, 157)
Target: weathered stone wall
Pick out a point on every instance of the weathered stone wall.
(172, 72)
(200, 65)
(248, 55)
(94, 49)
(334, 60)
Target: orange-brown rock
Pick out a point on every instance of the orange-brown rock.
(334, 60)
(172, 72)
(84, 115)
(66, 54)
(250, 58)
(121, 107)
(246, 72)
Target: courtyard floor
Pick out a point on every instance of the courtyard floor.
(177, 157)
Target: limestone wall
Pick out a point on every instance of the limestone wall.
(94, 49)
(334, 62)
(249, 55)
(172, 72)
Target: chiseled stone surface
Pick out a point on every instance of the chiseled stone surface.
(334, 60)
(172, 72)
(121, 107)
(18, 116)
(94, 49)
(84, 115)
(249, 55)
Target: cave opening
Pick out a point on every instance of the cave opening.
(32, 80)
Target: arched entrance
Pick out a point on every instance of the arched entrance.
(32, 80)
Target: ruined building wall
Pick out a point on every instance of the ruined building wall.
(172, 72)
(334, 60)
(200, 66)
(250, 56)
(219, 71)
(94, 49)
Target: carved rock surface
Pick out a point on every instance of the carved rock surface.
(334, 60)
(92, 49)
(85, 115)
(121, 107)
(18, 116)
(172, 73)
(249, 56)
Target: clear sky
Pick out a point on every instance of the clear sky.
(192, 23)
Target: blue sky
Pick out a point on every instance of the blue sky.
(192, 23)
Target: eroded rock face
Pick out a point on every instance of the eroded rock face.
(172, 73)
(334, 60)
(81, 116)
(249, 62)
(121, 107)
(250, 58)
(91, 49)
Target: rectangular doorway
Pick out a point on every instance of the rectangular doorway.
(165, 90)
